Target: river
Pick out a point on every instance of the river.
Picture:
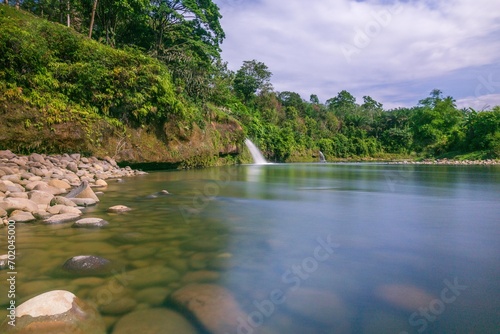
(304, 248)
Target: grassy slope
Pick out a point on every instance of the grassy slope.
(62, 92)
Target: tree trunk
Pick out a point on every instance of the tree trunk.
(18, 4)
(6, 2)
(68, 18)
(94, 7)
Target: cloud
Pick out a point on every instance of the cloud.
(377, 48)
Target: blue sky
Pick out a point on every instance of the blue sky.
(395, 52)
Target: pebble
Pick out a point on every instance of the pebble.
(158, 321)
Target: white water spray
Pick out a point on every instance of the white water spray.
(258, 158)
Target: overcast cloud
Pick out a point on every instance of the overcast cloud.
(396, 52)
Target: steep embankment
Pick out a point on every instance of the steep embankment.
(61, 92)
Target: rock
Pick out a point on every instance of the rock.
(61, 209)
(18, 195)
(83, 201)
(90, 223)
(3, 213)
(59, 184)
(42, 214)
(62, 200)
(7, 154)
(406, 297)
(40, 197)
(7, 185)
(35, 157)
(100, 184)
(154, 321)
(212, 305)
(22, 216)
(151, 276)
(49, 189)
(72, 166)
(10, 204)
(119, 209)
(201, 276)
(33, 184)
(321, 306)
(62, 218)
(153, 296)
(118, 306)
(83, 191)
(87, 265)
(55, 311)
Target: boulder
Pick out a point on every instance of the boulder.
(213, 306)
(83, 191)
(90, 223)
(157, 321)
(55, 311)
(62, 200)
(87, 265)
(49, 189)
(40, 197)
(59, 184)
(6, 154)
(22, 216)
(62, 218)
(10, 204)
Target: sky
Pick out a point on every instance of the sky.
(396, 52)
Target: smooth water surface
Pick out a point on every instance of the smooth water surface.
(304, 248)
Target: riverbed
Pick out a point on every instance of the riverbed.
(303, 248)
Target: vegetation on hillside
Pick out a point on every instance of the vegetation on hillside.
(150, 85)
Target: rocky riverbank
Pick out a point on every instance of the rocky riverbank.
(448, 162)
(52, 188)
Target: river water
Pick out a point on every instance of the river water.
(304, 248)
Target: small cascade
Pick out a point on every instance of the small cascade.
(258, 158)
(321, 157)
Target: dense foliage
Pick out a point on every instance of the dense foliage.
(157, 64)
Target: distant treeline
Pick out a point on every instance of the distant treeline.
(157, 64)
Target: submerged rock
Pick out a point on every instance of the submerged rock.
(90, 223)
(157, 321)
(407, 297)
(212, 305)
(87, 265)
(321, 306)
(55, 311)
(119, 209)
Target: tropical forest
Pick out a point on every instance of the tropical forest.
(144, 81)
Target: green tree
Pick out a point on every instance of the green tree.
(252, 77)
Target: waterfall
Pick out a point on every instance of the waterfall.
(258, 158)
(321, 157)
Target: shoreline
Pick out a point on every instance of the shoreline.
(39, 187)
